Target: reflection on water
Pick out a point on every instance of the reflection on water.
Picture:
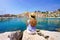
(20, 24)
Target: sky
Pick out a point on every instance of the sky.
(20, 6)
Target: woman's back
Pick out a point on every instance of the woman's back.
(33, 22)
(32, 25)
(31, 28)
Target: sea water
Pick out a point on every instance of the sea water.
(13, 24)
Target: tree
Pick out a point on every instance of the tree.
(38, 11)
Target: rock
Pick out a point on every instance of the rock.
(27, 36)
(16, 36)
(46, 37)
(40, 34)
(37, 30)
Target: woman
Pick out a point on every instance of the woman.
(31, 27)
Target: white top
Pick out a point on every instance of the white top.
(30, 28)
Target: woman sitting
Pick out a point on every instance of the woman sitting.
(31, 27)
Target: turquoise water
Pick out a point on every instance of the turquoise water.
(13, 24)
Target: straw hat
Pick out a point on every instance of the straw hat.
(32, 14)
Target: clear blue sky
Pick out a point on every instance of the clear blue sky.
(19, 6)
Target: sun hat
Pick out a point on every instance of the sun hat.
(32, 15)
